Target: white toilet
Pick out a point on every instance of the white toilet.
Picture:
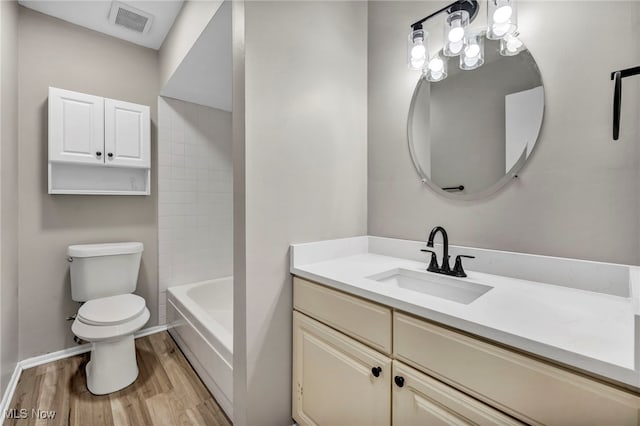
(105, 276)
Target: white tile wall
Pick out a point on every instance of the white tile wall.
(194, 195)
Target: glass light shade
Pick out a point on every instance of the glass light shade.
(417, 49)
(502, 18)
(455, 27)
(436, 69)
(511, 45)
(472, 55)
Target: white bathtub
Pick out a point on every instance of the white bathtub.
(200, 319)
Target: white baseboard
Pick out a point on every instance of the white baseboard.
(54, 356)
(8, 393)
(151, 330)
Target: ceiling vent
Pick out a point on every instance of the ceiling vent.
(129, 17)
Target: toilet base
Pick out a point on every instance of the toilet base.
(113, 365)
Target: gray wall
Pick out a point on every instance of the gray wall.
(189, 24)
(305, 171)
(579, 194)
(8, 190)
(55, 53)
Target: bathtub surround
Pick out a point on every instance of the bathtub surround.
(195, 214)
(56, 53)
(300, 174)
(579, 194)
(8, 191)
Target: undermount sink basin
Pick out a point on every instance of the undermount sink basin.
(450, 288)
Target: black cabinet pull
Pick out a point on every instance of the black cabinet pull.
(399, 381)
(376, 371)
(98, 153)
(110, 154)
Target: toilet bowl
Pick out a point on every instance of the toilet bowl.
(108, 324)
(103, 278)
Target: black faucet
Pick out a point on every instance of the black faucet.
(458, 271)
(445, 247)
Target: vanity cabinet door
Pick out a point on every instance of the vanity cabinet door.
(76, 127)
(127, 134)
(337, 380)
(421, 400)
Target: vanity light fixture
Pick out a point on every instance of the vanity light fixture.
(460, 41)
(502, 18)
(511, 45)
(455, 27)
(436, 68)
(472, 56)
(459, 14)
(417, 48)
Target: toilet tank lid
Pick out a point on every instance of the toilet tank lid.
(106, 249)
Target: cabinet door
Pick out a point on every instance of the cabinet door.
(421, 400)
(76, 127)
(333, 380)
(127, 140)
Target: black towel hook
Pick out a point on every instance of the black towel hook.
(617, 77)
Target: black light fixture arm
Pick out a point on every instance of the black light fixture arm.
(470, 6)
(617, 77)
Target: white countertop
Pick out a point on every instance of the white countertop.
(592, 331)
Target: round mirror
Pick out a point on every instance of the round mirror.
(471, 133)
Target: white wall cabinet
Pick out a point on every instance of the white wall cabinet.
(76, 127)
(126, 134)
(98, 146)
(438, 377)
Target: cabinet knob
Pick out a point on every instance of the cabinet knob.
(399, 381)
(98, 153)
(376, 371)
(110, 154)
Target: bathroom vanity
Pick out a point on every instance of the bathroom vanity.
(377, 340)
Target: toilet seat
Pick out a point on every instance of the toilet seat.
(112, 310)
(98, 333)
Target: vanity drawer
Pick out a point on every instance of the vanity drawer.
(531, 390)
(365, 321)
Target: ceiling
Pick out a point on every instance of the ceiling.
(205, 75)
(94, 14)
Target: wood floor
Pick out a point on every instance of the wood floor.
(167, 392)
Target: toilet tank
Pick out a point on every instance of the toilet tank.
(101, 270)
